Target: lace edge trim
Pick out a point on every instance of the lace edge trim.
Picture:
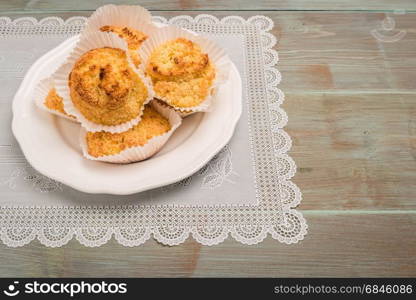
(171, 236)
(249, 235)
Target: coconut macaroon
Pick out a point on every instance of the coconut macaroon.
(181, 73)
(105, 143)
(54, 101)
(105, 89)
(133, 37)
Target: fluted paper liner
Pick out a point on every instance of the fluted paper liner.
(41, 92)
(215, 53)
(135, 154)
(88, 42)
(133, 16)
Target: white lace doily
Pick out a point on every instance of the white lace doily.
(132, 225)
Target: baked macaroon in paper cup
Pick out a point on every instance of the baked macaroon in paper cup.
(100, 86)
(139, 143)
(186, 69)
(133, 23)
(47, 99)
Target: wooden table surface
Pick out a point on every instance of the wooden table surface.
(351, 101)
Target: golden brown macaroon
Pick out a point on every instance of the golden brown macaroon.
(133, 37)
(106, 143)
(55, 102)
(105, 89)
(181, 73)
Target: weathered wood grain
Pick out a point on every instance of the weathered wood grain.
(337, 245)
(55, 5)
(350, 98)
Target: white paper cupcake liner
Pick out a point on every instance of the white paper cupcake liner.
(216, 54)
(182, 114)
(40, 93)
(135, 154)
(133, 16)
(86, 43)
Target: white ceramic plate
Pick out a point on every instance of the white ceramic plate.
(50, 144)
